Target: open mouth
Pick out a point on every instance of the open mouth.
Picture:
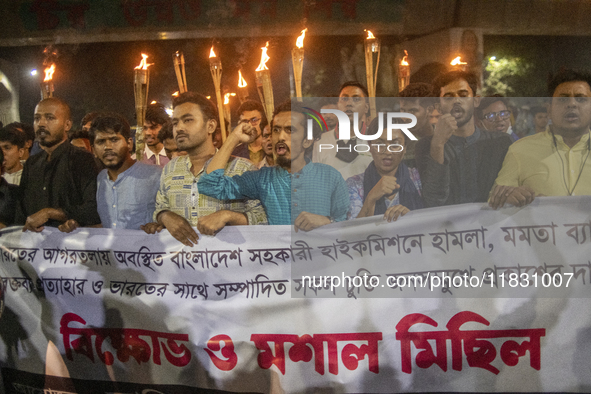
(281, 149)
(571, 117)
(457, 112)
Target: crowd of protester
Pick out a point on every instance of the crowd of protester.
(272, 172)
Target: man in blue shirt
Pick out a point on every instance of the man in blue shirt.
(315, 194)
(126, 189)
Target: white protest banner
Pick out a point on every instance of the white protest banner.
(122, 311)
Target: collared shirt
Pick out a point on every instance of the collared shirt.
(14, 178)
(329, 156)
(551, 170)
(66, 182)
(180, 193)
(263, 163)
(130, 201)
(317, 188)
(357, 192)
(468, 172)
(150, 157)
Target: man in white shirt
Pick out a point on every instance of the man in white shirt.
(154, 152)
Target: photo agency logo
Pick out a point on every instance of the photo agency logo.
(392, 120)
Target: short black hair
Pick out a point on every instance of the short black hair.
(424, 92)
(79, 133)
(156, 114)
(488, 100)
(13, 135)
(165, 132)
(537, 109)
(567, 75)
(449, 77)
(26, 128)
(207, 107)
(354, 84)
(89, 117)
(251, 105)
(107, 122)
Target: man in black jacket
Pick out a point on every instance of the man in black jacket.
(59, 183)
(460, 162)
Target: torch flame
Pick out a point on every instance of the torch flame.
(300, 40)
(369, 35)
(264, 58)
(226, 98)
(404, 62)
(49, 73)
(212, 53)
(175, 94)
(241, 81)
(457, 61)
(143, 64)
(154, 102)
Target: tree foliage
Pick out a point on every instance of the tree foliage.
(507, 76)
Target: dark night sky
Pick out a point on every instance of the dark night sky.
(99, 76)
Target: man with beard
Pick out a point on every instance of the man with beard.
(307, 195)
(58, 183)
(126, 189)
(459, 162)
(180, 204)
(156, 118)
(555, 162)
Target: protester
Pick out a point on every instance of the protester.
(58, 183)
(540, 115)
(417, 99)
(555, 162)
(314, 194)
(167, 137)
(252, 112)
(8, 198)
(180, 204)
(86, 121)
(460, 162)
(495, 115)
(267, 141)
(343, 157)
(12, 144)
(29, 136)
(126, 189)
(387, 187)
(156, 118)
(330, 102)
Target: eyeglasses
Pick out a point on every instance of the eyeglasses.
(503, 115)
(253, 121)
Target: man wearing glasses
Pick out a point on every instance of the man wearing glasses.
(252, 112)
(555, 162)
(460, 162)
(494, 115)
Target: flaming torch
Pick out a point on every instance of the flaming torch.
(215, 66)
(458, 64)
(297, 58)
(227, 109)
(242, 88)
(179, 69)
(264, 86)
(372, 46)
(47, 84)
(403, 72)
(141, 82)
